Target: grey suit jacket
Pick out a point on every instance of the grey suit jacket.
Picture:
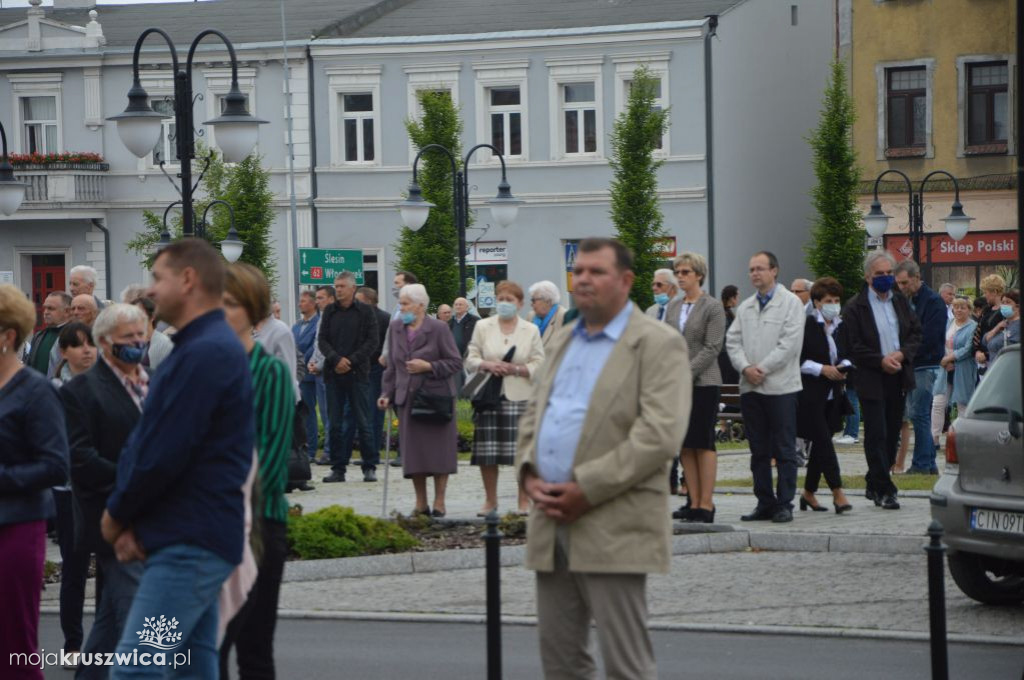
(704, 334)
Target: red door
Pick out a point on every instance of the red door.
(47, 277)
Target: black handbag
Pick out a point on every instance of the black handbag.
(298, 458)
(488, 397)
(432, 408)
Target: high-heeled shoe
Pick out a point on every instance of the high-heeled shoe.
(804, 504)
(845, 507)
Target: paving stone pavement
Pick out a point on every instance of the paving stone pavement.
(821, 590)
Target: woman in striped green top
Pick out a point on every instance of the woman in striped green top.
(246, 302)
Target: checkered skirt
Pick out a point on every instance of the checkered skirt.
(494, 439)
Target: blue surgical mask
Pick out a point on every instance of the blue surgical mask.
(830, 311)
(506, 310)
(408, 317)
(1006, 311)
(661, 299)
(883, 284)
(129, 353)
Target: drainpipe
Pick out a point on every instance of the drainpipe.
(709, 144)
(312, 151)
(106, 256)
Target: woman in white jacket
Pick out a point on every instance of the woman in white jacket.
(494, 440)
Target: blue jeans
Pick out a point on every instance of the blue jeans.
(853, 420)
(120, 583)
(321, 401)
(355, 395)
(180, 582)
(308, 391)
(920, 402)
(770, 424)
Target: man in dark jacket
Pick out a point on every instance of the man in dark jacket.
(462, 324)
(102, 407)
(347, 339)
(178, 503)
(883, 335)
(931, 313)
(43, 354)
(304, 332)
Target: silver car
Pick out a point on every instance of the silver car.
(979, 499)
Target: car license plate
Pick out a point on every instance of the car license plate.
(997, 520)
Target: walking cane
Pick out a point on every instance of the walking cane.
(387, 460)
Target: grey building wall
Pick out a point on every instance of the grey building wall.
(769, 77)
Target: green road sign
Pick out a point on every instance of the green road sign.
(319, 266)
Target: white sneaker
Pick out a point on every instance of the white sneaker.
(846, 440)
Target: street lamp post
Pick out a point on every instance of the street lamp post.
(876, 222)
(231, 247)
(12, 192)
(139, 125)
(415, 210)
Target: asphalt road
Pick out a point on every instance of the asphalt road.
(399, 651)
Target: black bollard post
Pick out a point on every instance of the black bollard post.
(937, 601)
(492, 541)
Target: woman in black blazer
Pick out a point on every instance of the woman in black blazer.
(823, 366)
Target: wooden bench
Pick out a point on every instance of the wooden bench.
(729, 416)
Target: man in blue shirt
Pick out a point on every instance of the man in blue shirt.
(304, 332)
(178, 503)
(931, 312)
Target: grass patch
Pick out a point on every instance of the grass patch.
(903, 482)
(338, 531)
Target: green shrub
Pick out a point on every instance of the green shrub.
(339, 532)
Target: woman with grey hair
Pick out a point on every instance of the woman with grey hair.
(422, 363)
(547, 314)
(701, 320)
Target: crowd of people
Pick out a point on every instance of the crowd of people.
(94, 407)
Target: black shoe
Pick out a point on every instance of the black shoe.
(396, 462)
(683, 513)
(840, 509)
(437, 513)
(334, 477)
(702, 516)
(305, 486)
(782, 515)
(888, 503)
(324, 461)
(759, 515)
(369, 475)
(804, 504)
(870, 494)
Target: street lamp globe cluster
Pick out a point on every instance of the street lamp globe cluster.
(957, 223)
(235, 129)
(415, 209)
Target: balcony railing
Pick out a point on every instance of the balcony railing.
(63, 182)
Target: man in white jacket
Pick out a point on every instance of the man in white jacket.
(764, 343)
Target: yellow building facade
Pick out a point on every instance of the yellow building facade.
(933, 87)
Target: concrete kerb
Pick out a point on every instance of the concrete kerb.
(683, 544)
(805, 631)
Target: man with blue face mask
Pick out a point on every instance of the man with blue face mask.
(664, 288)
(883, 336)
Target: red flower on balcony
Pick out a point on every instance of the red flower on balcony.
(53, 158)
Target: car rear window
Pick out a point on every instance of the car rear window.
(1000, 388)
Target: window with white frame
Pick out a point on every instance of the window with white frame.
(354, 110)
(506, 118)
(166, 149)
(575, 93)
(656, 64)
(218, 84)
(659, 103)
(357, 126)
(39, 124)
(579, 118)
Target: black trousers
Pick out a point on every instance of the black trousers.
(770, 423)
(74, 572)
(822, 461)
(251, 632)
(882, 419)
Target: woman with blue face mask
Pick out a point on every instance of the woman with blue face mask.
(1007, 331)
(822, 404)
(497, 425)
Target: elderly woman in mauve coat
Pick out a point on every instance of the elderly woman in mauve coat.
(422, 356)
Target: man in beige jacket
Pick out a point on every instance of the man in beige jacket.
(595, 444)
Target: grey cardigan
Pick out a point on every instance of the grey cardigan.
(704, 334)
